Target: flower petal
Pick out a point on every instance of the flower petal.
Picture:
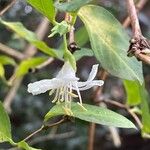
(91, 84)
(93, 72)
(67, 73)
(44, 85)
(91, 76)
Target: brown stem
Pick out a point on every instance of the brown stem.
(44, 64)
(44, 127)
(34, 133)
(134, 19)
(123, 106)
(7, 7)
(102, 75)
(144, 58)
(52, 137)
(72, 46)
(40, 32)
(12, 93)
(71, 35)
(91, 136)
(139, 6)
(138, 43)
(12, 52)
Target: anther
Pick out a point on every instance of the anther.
(67, 111)
(72, 94)
(61, 100)
(51, 92)
(81, 106)
(54, 100)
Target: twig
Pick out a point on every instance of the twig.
(72, 46)
(91, 135)
(134, 19)
(12, 93)
(7, 7)
(139, 6)
(102, 75)
(144, 58)
(115, 136)
(44, 64)
(40, 32)
(30, 51)
(123, 106)
(10, 51)
(139, 45)
(45, 127)
(71, 35)
(52, 137)
(113, 131)
(34, 133)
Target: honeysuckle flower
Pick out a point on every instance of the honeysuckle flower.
(64, 84)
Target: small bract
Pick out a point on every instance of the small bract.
(64, 84)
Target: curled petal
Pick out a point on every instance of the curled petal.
(91, 76)
(93, 72)
(44, 85)
(91, 84)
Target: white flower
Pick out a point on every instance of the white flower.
(64, 84)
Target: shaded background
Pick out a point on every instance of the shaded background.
(28, 111)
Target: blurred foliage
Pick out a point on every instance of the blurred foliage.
(28, 111)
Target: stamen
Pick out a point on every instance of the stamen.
(61, 90)
(51, 92)
(82, 106)
(69, 96)
(66, 96)
(77, 89)
(72, 94)
(67, 111)
(56, 96)
(61, 100)
(62, 94)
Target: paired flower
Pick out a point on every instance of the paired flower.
(64, 84)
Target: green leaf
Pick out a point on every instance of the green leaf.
(82, 53)
(133, 92)
(25, 65)
(5, 60)
(71, 6)
(30, 37)
(110, 43)
(45, 7)
(25, 146)
(94, 114)
(145, 110)
(2, 71)
(81, 36)
(138, 94)
(5, 127)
